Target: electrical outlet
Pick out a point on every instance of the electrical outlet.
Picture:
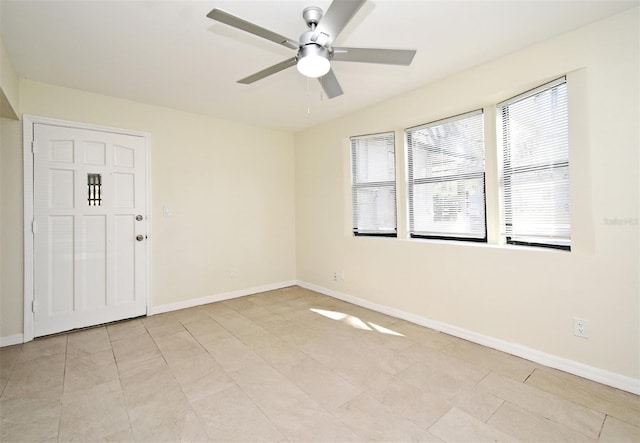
(580, 327)
(233, 273)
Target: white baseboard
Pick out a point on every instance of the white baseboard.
(14, 339)
(219, 297)
(19, 338)
(573, 367)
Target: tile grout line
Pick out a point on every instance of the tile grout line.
(229, 374)
(13, 365)
(191, 407)
(524, 382)
(332, 412)
(285, 376)
(555, 397)
(502, 402)
(567, 399)
(124, 397)
(64, 378)
(155, 343)
(560, 397)
(602, 426)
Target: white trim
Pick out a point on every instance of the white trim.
(148, 243)
(27, 194)
(81, 125)
(532, 92)
(10, 340)
(219, 297)
(613, 379)
(27, 138)
(442, 121)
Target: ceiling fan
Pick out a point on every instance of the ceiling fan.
(315, 50)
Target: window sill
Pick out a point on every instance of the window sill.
(475, 244)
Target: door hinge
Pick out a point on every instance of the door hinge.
(33, 306)
(34, 227)
(33, 147)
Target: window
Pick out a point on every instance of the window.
(535, 173)
(94, 191)
(446, 179)
(374, 184)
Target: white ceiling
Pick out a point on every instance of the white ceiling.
(169, 53)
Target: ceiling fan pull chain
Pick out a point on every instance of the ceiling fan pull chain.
(308, 97)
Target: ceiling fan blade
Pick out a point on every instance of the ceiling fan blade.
(373, 55)
(330, 84)
(340, 12)
(269, 71)
(236, 22)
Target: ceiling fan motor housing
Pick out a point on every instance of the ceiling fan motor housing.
(312, 16)
(306, 40)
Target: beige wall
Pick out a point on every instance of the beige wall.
(519, 295)
(11, 299)
(9, 89)
(230, 187)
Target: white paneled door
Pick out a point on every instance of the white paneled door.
(89, 227)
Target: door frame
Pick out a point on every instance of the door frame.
(28, 121)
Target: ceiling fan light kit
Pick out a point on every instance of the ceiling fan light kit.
(313, 61)
(315, 52)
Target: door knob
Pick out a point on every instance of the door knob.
(139, 217)
(139, 237)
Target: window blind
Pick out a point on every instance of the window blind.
(535, 172)
(446, 178)
(374, 184)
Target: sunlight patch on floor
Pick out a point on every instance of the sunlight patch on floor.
(355, 322)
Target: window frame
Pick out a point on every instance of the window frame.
(411, 181)
(505, 155)
(355, 185)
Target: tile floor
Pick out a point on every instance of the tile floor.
(293, 365)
